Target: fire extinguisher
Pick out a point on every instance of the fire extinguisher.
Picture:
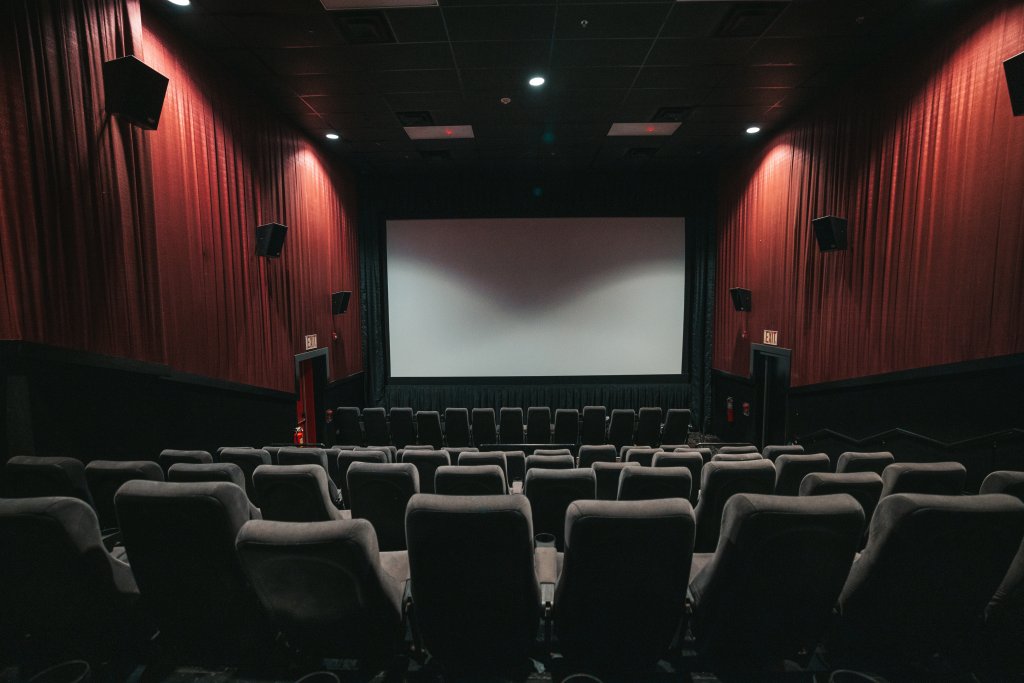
(300, 437)
(730, 414)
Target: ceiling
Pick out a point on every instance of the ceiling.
(718, 67)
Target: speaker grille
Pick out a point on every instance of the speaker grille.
(270, 239)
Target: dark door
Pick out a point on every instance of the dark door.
(311, 390)
(770, 369)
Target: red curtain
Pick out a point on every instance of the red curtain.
(926, 161)
(140, 244)
(223, 163)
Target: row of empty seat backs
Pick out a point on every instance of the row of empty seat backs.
(303, 486)
(401, 427)
(782, 581)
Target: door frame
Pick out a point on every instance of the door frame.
(759, 402)
(320, 381)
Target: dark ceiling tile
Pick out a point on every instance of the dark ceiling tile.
(424, 101)
(333, 104)
(527, 54)
(610, 21)
(260, 6)
(809, 19)
(369, 135)
(592, 77)
(306, 60)
(205, 31)
(626, 52)
(769, 76)
(274, 30)
(404, 56)
(666, 97)
(417, 25)
(415, 81)
(499, 22)
(683, 77)
(729, 95)
(742, 116)
(683, 51)
(692, 19)
(345, 85)
(827, 50)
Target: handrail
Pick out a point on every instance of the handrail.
(899, 431)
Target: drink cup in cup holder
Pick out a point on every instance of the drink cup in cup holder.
(544, 541)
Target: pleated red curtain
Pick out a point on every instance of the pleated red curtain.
(141, 244)
(926, 161)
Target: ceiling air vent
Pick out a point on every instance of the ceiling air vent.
(671, 114)
(640, 153)
(364, 28)
(749, 19)
(415, 118)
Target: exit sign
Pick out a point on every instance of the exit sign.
(771, 337)
(310, 342)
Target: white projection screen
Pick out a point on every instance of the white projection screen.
(536, 297)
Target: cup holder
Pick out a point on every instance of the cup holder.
(544, 540)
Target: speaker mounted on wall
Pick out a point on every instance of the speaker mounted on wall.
(270, 239)
(134, 91)
(339, 302)
(830, 231)
(1014, 68)
(740, 298)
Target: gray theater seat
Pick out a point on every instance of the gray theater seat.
(719, 482)
(1003, 481)
(735, 457)
(475, 592)
(677, 426)
(931, 565)
(793, 467)
(648, 427)
(567, 426)
(691, 461)
(403, 427)
(475, 459)
(620, 596)
(606, 476)
(327, 587)
(428, 428)
(61, 593)
(877, 461)
(620, 427)
(248, 459)
(313, 456)
(599, 453)
(551, 462)
(649, 483)
(485, 429)
(772, 452)
(105, 477)
(206, 610)
(593, 428)
(767, 594)
(345, 460)
(865, 487)
(294, 493)
(29, 476)
(375, 426)
(644, 456)
(171, 456)
(379, 493)
(937, 478)
(470, 480)
(426, 463)
(746, 448)
(510, 424)
(538, 424)
(456, 427)
(347, 429)
(551, 451)
(551, 491)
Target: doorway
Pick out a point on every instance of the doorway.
(769, 366)
(311, 394)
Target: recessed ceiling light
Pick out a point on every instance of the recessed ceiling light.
(537, 81)
(332, 136)
(643, 129)
(438, 132)
(180, 3)
(753, 129)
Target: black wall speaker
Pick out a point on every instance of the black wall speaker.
(740, 298)
(270, 239)
(1014, 68)
(339, 302)
(830, 231)
(134, 91)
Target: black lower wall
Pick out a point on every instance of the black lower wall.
(61, 402)
(969, 412)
